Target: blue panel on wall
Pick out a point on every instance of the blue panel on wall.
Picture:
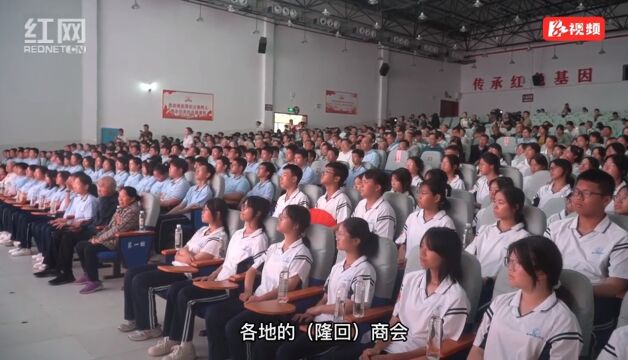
(108, 134)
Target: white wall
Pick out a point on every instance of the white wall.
(40, 94)
(607, 91)
(419, 89)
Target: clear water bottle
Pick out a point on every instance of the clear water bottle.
(142, 220)
(434, 337)
(178, 237)
(282, 288)
(339, 311)
(467, 236)
(359, 299)
(53, 206)
(42, 202)
(33, 201)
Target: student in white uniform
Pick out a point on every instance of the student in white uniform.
(617, 346)
(289, 181)
(264, 187)
(377, 212)
(593, 245)
(451, 166)
(434, 290)
(224, 321)
(246, 248)
(122, 173)
(617, 167)
(141, 283)
(560, 186)
(621, 202)
(415, 165)
(147, 177)
(135, 173)
(335, 201)
(489, 170)
(490, 245)
(354, 238)
(532, 322)
(400, 182)
(432, 200)
(567, 211)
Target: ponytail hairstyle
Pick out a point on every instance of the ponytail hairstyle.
(567, 169)
(538, 253)
(217, 206)
(516, 200)
(438, 187)
(455, 164)
(446, 243)
(261, 209)
(301, 217)
(359, 228)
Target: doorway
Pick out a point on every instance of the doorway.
(281, 119)
(448, 108)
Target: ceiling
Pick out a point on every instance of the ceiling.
(399, 25)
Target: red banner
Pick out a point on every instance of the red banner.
(187, 105)
(340, 102)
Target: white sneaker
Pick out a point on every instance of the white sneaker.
(185, 351)
(5, 235)
(127, 326)
(39, 261)
(37, 256)
(16, 243)
(141, 335)
(163, 347)
(2, 233)
(7, 242)
(11, 251)
(41, 267)
(21, 252)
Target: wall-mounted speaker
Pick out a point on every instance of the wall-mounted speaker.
(624, 75)
(383, 70)
(261, 47)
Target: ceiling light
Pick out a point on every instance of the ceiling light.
(304, 41)
(344, 49)
(463, 29)
(529, 48)
(422, 16)
(337, 34)
(256, 31)
(325, 12)
(418, 37)
(289, 23)
(602, 51)
(517, 19)
(512, 60)
(373, 2)
(477, 4)
(200, 15)
(554, 57)
(135, 5)
(377, 26)
(580, 6)
(455, 47)
(230, 8)
(474, 66)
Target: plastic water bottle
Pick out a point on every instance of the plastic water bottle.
(434, 337)
(467, 236)
(339, 311)
(42, 202)
(359, 299)
(178, 237)
(282, 288)
(53, 206)
(33, 201)
(142, 220)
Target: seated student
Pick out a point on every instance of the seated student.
(125, 219)
(160, 173)
(122, 173)
(377, 212)
(538, 163)
(432, 143)
(432, 203)
(264, 187)
(492, 240)
(582, 141)
(224, 320)
(141, 283)
(89, 168)
(247, 245)
(335, 201)
(488, 165)
(222, 166)
(564, 213)
(588, 163)
(616, 347)
(594, 245)
(617, 167)
(301, 160)
(354, 238)
(531, 150)
(532, 322)
(357, 166)
(415, 165)
(251, 161)
(79, 213)
(370, 156)
(436, 290)
(621, 201)
(288, 181)
(108, 168)
(75, 163)
(451, 166)
(147, 177)
(573, 154)
(176, 188)
(496, 149)
(135, 173)
(236, 185)
(560, 186)
(400, 180)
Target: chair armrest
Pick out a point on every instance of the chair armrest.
(100, 227)
(41, 213)
(205, 263)
(451, 347)
(168, 252)
(372, 314)
(134, 233)
(305, 293)
(237, 278)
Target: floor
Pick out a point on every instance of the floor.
(39, 321)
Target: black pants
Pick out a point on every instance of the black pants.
(140, 285)
(88, 254)
(166, 224)
(223, 329)
(183, 300)
(300, 348)
(67, 240)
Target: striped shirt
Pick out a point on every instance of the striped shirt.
(338, 205)
(380, 217)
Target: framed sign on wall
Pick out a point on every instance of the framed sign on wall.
(187, 105)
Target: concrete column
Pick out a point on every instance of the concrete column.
(89, 112)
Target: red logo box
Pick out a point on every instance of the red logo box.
(577, 28)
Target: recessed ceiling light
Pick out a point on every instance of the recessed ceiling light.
(477, 4)
(422, 16)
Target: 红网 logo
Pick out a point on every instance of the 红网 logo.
(54, 36)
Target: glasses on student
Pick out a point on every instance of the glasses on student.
(508, 262)
(584, 194)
